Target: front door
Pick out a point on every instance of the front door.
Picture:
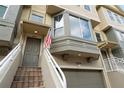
(32, 50)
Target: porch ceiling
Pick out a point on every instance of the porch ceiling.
(31, 27)
(53, 9)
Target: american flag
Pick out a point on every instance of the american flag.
(48, 39)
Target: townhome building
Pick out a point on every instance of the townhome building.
(85, 39)
(110, 36)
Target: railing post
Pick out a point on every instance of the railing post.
(115, 62)
(110, 63)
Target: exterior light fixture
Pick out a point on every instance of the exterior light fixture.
(79, 54)
(35, 32)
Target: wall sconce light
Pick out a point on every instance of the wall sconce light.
(36, 32)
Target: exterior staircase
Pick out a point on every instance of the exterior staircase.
(28, 77)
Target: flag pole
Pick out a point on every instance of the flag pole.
(47, 40)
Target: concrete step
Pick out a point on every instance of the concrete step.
(28, 77)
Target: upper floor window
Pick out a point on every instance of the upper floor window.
(120, 35)
(98, 37)
(122, 19)
(111, 15)
(117, 18)
(36, 18)
(58, 25)
(87, 7)
(80, 28)
(3, 9)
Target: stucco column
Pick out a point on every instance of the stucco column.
(66, 24)
(110, 53)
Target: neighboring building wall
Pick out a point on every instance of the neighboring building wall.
(39, 10)
(106, 22)
(116, 79)
(8, 29)
(111, 35)
(8, 25)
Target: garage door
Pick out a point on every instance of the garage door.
(84, 78)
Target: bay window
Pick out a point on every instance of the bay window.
(75, 27)
(58, 25)
(80, 28)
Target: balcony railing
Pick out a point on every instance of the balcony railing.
(114, 64)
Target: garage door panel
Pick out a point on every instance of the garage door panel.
(84, 78)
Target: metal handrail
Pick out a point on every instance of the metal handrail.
(58, 69)
(9, 55)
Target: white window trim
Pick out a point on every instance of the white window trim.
(81, 31)
(4, 16)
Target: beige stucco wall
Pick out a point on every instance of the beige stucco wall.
(80, 10)
(36, 9)
(116, 79)
(25, 13)
(73, 62)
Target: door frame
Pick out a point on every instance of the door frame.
(26, 35)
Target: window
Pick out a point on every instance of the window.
(87, 7)
(36, 18)
(117, 18)
(2, 10)
(120, 35)
(58, 25)
(80, 28)
(98, 37)
(85, 29)
(122, 18)
(111, 15)
(75, 26)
